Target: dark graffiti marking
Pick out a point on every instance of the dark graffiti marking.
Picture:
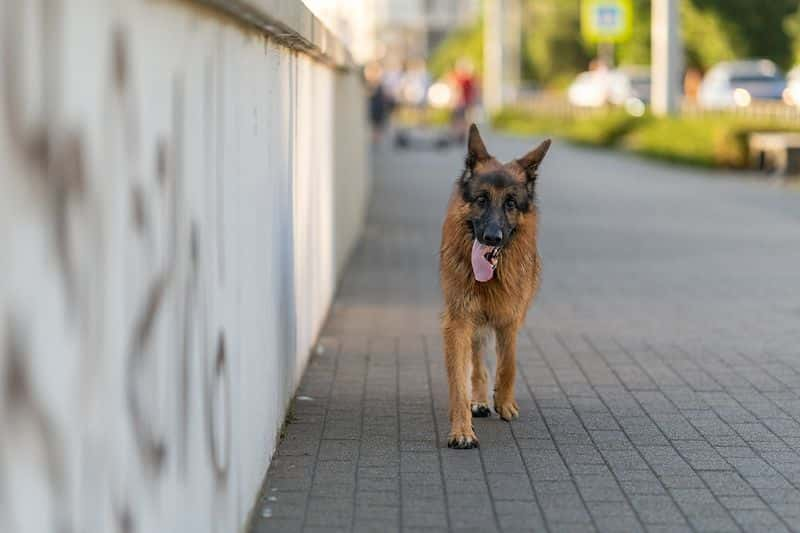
(151, 447)
(22, 409)
(218, 385)
(56, 157)
(52, 154)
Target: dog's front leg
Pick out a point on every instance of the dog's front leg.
(504, 402)
(457, 352)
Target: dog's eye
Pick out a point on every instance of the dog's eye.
(511, 203)
(480, 201)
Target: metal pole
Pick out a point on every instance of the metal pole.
(492, 56)
(667, 60)
(501, 52)
(605, 52)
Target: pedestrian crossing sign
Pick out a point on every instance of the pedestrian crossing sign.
(606, 21)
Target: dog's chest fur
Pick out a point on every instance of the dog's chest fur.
(505, 298)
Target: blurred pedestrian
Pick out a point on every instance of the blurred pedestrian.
(415, 84)
(691, 84)
(465, 84)
(380, 103)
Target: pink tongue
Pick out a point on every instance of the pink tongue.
(480, 266)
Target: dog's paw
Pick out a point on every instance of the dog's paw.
(480, 409)
(508, 410)
(463, 441)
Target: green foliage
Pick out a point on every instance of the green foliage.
(718, 140)
(553, 51)
(637, 50)
(466, 42)
(708, 39)
(551, 42)
(756, 25)
(791, 25)
(596, 129)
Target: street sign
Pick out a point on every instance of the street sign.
(606, 21)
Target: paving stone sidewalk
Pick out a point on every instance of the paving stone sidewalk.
(659, 375)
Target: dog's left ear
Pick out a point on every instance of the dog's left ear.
(476, 150)
(530, 161)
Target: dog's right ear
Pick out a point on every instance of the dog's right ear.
(476, 150)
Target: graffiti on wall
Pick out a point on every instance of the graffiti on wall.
(173, 291)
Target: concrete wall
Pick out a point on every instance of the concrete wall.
(179, 192)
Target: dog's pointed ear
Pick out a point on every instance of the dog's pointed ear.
(476, 150)
(530, 161)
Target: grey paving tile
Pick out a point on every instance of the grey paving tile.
(657, 509)
(638, 410)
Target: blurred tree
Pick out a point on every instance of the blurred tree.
(757, 25)
(552, 48)
(464, 42)
(791, 24)
(713, 30)
(708, 38)
(637, 50)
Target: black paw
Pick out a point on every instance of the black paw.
(480, 410)
(462, 442)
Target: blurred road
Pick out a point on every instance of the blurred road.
(659, 374)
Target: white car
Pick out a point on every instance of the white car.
(739, 83)
(597, 88)
(791, 95)
(590, 89)
(630, 82)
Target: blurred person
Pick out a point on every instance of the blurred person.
(392, 80)
(691, 84)
(415, 83)
(380, 103)
(465, 86)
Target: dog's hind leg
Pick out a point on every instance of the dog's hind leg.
(457, 348)
(480, 378)
(504, 402)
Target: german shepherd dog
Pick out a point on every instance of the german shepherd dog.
(489, 268)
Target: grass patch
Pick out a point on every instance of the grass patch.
(408, 116)
(718, 140)
(596, 128)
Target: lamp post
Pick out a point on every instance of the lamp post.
(501, 52)
(666, 57)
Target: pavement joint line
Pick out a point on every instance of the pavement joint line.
(758, 453)
(547, 425)
(324, 422)
(436, 429)
(683, 455)
(583, 424)
(519, 450)
(687, 372)
(360, 436)
(396, 350)
(627, 436)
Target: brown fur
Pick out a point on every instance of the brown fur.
(473, 308)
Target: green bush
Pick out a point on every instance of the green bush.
(603, 128)
(719, 140)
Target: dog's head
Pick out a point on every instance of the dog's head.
(498, 198)
(498, 195)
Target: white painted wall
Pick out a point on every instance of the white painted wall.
(178, 195)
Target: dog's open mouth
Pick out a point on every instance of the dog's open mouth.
(484, 260)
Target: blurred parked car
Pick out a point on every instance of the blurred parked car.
(738, 83)
(597, 88)
(791, 95)
(590, 89)
(630, 82)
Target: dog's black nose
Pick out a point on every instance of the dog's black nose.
(493, 236)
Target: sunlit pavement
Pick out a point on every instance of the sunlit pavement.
(659, 377)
